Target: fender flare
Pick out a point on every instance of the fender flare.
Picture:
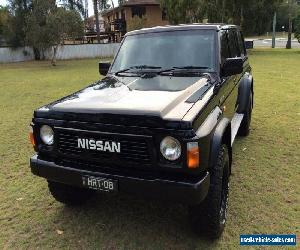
(245, 89)
(222, 135)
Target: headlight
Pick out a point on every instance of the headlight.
(47, 135)
(170, 148)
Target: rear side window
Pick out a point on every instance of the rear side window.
(241, 43)
(224, 47)
(233, 43)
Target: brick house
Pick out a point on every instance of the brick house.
(117, 20)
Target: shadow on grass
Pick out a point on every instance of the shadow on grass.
(118, 218)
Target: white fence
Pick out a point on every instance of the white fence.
(8, 55)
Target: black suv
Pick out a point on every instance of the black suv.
(160, 124)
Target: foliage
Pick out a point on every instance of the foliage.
(254, 16)
(38, 30)
(297, 27)
(14, 32)
(4, 15)
(103, 5)
(48, 25)
(136, 23)
(184, 11)
(65, 24)
(120, 2)
(77, 5)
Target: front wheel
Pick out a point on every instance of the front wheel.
(71, 196)
(209, 217)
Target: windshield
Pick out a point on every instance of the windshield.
(165, 50)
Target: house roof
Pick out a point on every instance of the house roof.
(140, 2)
(130, 3)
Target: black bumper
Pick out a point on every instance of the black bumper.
(179, 191)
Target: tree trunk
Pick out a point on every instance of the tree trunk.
(274, 31)
(97, 19)
(223, 10)
(242, 16)
(53, 61)
(289, 42)
(37, 54)
(113, 6)
(86, 9)
(71, 3)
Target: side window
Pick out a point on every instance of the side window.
(241, 43)
(233, 44)
(224, 47)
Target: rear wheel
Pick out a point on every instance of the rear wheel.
(71, 196)
(244, 129)
(209, 217)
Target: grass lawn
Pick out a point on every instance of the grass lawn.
(265, 184)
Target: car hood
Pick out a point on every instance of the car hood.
(169, 98)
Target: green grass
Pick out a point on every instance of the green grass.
(265, 182)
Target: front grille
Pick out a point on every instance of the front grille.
(134, 149)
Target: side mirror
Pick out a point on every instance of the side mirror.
(232, 66)
(104, 68)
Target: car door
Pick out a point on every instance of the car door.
(229, 49)
(233, 81)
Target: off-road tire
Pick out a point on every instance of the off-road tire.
(209, 217)
(244, 129)
(70, 196)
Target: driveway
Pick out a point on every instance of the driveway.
(280, 43)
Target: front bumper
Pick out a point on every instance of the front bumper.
(192, 192)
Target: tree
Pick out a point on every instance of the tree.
(289, 42)
(297, 26)
(14, 33)
(293, 11)
(96, 14)
(254, 16)
(120, 2)
(37, 32)
(64, 24)
(184, 11)
(78, 5)
(4, 15)
(103, 5)
(48, 26)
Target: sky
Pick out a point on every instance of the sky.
(91, 11)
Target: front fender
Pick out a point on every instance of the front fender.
(245, 89)
(222, 135)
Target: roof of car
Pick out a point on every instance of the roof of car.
(194, 26)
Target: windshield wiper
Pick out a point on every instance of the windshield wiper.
(141, 67)
(185, 68)
(191, 67)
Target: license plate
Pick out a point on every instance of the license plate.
(101, 184)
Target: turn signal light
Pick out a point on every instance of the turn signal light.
(193, 155)
(31, 137)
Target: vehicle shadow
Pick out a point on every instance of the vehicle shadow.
(123, 221)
